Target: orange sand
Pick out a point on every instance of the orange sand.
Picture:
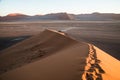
(109, 64)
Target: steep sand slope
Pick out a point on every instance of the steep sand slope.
(41, 45)
(51, 55)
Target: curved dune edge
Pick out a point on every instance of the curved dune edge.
(75, 61)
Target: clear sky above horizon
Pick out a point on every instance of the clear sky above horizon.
(32, 7)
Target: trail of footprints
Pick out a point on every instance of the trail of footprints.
(93, 70)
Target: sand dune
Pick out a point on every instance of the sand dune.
(53, 55)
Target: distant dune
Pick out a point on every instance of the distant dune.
(15, 14)
(62, 16)
(54, 55)
(23, 17)
(98, 17)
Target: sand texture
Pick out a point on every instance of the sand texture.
(53, 55)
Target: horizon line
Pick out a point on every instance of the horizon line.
(59, 12)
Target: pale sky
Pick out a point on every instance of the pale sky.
(32, 7)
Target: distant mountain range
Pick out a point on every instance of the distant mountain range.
(98, 17)
(62, 16)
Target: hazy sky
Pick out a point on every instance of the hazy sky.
(32, 7)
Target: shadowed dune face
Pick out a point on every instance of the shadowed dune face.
(51, 55)
(43, 44)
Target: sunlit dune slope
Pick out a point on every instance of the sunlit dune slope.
(53, 55)
(109, 64)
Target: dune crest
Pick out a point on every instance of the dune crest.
(53, 55)
(93, 70)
